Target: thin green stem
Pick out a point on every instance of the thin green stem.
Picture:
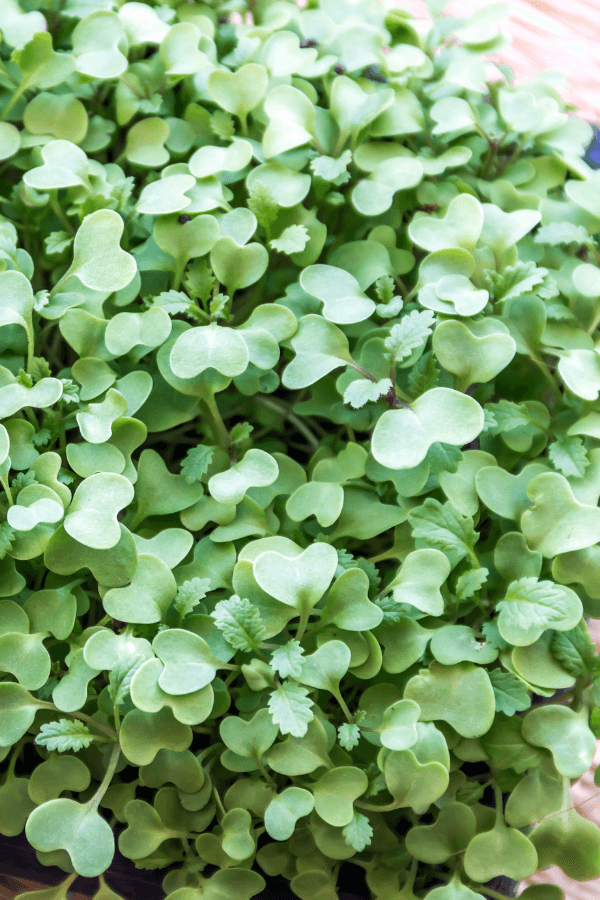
(219, 428)
(499, 805)
(218, 800)
(304, 614)
(286, 412)
(344, 707)
(16, 96)
(31, 416)
(264, 772)
(94, 802)
(59, 213)
(5, 484)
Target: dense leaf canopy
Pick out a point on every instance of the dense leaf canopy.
(299, 449)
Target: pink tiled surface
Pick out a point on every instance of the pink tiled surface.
(545, 34)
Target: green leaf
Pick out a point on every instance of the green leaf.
(358, 832)
(510, 692)
(358, 392)
(442, 527)
(240, 622)
(199, 280)
(411, 333)
(569, 456)
(333, 170)
(7, 537)
(531, 606)
(262, 203)
(287, 659)
(561, 233)
(189, 594)
(470, 582)
(63, 735)
(292, 240)
(291, 708)
(196, 463)
(348, 736)
(574, 650)
(120, 677)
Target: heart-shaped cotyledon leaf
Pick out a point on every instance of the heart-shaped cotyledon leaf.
(252, 738)
(454, 828)
(98, 260)
(65, 165)
(473, 351)
(402, 437)
(568, 841)
(148, 596)
(419, 580)
(91, 518)
(75, 827)
(344, 301)
(557, 522)
(459, 228)
(500, 851)
(238, 267)
(209, 346)
(189, 661)
(335, 793)
(565, 734)
(320, 348)
(256, 469)
(292, 120)
(298, 581)
(461, 695)
(283, 812)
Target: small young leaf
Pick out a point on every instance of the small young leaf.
(263, 204)
(562, 233)
(221, 124)
(331, 169)
(63, 735)
(39, 368)
(189, 594)
(199, 280)
(384, 288)
(240, 432)
(293, 240)
(291, 708)
(470, 582)
(493, 636)
(196, 463)
(7, 537)
(424, 375)
(287, 659)
(348, 735)
(57, 242)
(173, 302)
(569, 456)
(444, 528)
(358, 392)
(358, 832)
(410, 333)
(574, 650)
(509, 691)
(120, 677)
(219, 306)
(240, 622)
